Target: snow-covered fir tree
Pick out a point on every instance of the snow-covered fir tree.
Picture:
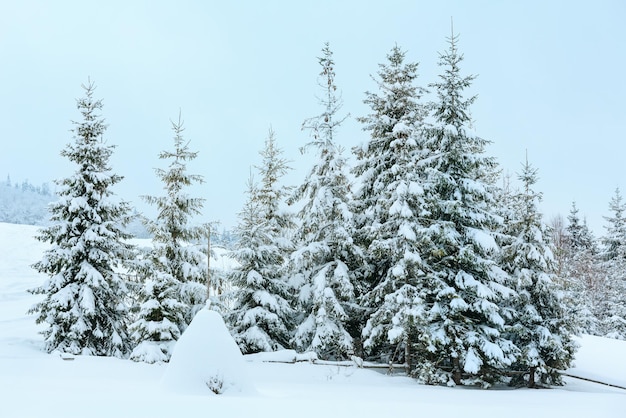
(582, 274)
(84, 296)
(174, 270)
(580, 236)
(615, 237)
(465, 341)
(271, 194)
(159, 311)
(539, 327)
(322, 266)
(262, 317)
(558, 242)
(612, 307)
(389, 204)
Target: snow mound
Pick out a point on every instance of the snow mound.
(152, 351)
(206, 359)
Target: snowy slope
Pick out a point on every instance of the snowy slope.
(601, 360)
(35, 384)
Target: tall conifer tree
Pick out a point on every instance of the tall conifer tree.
(84, 305)
(323, 264)
(389, 204)
(464, 340)
(174, 270)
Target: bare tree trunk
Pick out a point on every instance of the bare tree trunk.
(531, 377)
(407, 355)
(208, 265)
(456, 371)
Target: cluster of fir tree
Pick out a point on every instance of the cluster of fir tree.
(421, 264)
(593, 272)
(426, 263)
(104, 296)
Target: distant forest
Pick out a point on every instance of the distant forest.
(24, 203)
(27, 204)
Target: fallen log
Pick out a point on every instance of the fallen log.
(594, 381)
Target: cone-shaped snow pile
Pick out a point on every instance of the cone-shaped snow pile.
(206, 359)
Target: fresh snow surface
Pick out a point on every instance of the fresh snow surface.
(36, 384)
(600, 361)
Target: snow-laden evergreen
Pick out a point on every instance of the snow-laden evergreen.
(539, 327)
(174, 271)
(84, 306)
(322, 266)
(581, 274)
(579, 234)
(388, 206)
(615, 236)
(262, 317)
(464, 338)
(612, 307)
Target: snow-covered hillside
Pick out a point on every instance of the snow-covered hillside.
(36, 384)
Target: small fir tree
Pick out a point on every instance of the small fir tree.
(539, 327)
(559, 242)
(580, 237)
(323, 264)
(159, 311)
(615, 228)
(574, 297)
(262, 318)
(613, 308)
(174, 270)
(612, 303)
(259, 319)
(583, 275)
(84, 305)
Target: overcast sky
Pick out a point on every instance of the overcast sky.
(550, 81)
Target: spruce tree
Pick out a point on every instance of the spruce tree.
(466, 287)
(612, 304)
(583, 274)
(539, 327)
(389, 205)
(174, 270)
(323, 264)
(559, 241)
(615, 229)
(580, 237)
(84, 296)
(262, 318)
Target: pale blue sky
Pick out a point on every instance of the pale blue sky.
(550, 81)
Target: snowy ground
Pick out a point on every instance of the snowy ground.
(35, 384)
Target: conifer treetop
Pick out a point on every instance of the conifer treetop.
(176, 208)
(323, 126)
(272, 168)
